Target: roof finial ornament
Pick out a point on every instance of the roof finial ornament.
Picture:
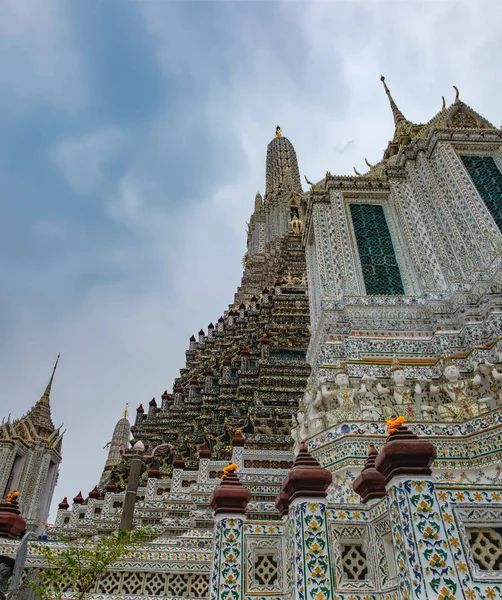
(397, 114)
(278, 132)
(312, 185)
(444, 103)
(369, 165)
(126, 411)
(356, 172)
(47, 392)
(457, 94)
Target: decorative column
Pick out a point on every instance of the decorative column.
(265, 347)
(126, 520)
(165, 399)
(229, 501)
(238, 443)
(424, 564)
(303, 493)
(178, 466)
(204, 458)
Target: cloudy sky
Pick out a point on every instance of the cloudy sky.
(132, 142)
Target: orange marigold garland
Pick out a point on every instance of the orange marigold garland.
(11, 497)
(231, 468)
(392, 425)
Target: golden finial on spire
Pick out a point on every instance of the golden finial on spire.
(126, 411)
(368, 164)
(397, 114)
(444, 103)
(278, 132)
(47, 392)
(356, 172)
(457, 94)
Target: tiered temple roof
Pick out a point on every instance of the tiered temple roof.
(248, 371)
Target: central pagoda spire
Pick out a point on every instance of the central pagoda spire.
(281, 156)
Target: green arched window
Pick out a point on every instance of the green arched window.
(487, 178)
(376, 251)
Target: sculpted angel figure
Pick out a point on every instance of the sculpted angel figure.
(295, 434)
(402, 394)
(341, 400)
(314, 405)
(461, 403)
(495, 382)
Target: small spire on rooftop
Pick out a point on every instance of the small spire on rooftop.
(47, 392)
(397, 114)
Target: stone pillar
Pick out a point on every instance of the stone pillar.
(62, 512)
(139, 414)
(238, 443)
(221, 325)
(229, 501)
(178, 466)
(424, 563)
(303, 494)
(204, 458)
(178, 395)
(152, 409)
(265, 347)
(165, 399)
(226, 368)
(126, 519)
(208, 381)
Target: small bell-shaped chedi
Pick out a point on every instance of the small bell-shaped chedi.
(230, 497)
(306, 479)
(370, 484)
(404, 453)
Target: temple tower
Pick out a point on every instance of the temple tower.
(249, 372)
(281, 156)
(420, 227)
(274, 246)
(30, 453)
(119, 443)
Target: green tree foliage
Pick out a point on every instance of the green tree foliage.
(81, 564)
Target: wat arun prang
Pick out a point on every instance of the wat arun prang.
(396, 489)
(247, 371)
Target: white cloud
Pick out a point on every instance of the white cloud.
(83, 160)
(40, 60)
